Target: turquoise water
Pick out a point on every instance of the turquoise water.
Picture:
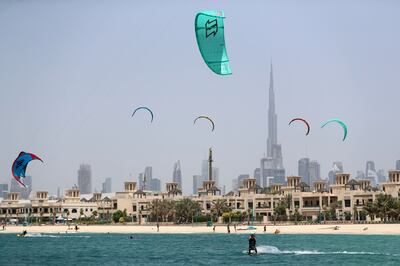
(197, 249)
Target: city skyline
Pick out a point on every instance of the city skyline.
(86, 67)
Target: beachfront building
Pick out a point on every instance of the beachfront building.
(346, 196)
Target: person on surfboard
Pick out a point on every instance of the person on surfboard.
(252, 243)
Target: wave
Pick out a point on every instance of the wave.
(52, 236)
(275, 250)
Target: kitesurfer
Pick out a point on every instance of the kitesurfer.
(252, 243)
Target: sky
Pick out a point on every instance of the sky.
(72, 72)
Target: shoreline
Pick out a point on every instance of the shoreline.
(348, 229)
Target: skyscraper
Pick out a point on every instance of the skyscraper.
(360, 174)
(197, 183)
(215, 176)
(177, 174)
(235, 184)
(370, 172)
(315, 171)
(257, 176)
(381, 176)
(398, 165)
(241, 178)
(204, 169)
(370, 165)
(106, 186)
(337, 168)
(155, 184)
(304, 170)
(3, 190)
(23, 192)
(148, 172)
(85, 179)
(272, 166)
(141, 181)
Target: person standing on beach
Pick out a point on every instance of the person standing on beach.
(229, 230)
(265, 228)
(214, 228)
(158, 227)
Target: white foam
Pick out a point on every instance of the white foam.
(275, 250)
(52, 236)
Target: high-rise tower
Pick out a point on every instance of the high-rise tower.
(271, 167)
(85, 179)
(177, 174)
(272, 117)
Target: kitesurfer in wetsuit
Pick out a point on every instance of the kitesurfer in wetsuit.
(24, 233)
(252, 243)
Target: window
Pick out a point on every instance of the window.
(347, 203)
(74, 211)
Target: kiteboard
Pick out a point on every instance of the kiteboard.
(252, 253)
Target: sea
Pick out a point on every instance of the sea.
(197, 249)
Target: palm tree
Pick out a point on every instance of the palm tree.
(156, 208)
(371, 210)
(280, 211)
(218, 207)
(94, 214)
(185, 210)
(54, 215)
(288, 199)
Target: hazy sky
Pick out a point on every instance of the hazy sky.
(72, 72)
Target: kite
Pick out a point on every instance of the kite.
(205, 117)
(340, 122)
(145, 108)
(19, 166)
(304, 121)
(209, 27)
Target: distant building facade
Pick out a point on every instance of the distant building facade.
(106, 186)
(241, 178)
(304, 170)
(155, 184)
(177, 174)
(257, 175)
(197, 183)
(23, 192)
(85, 179)
(315, 171)
(3, 190)
(337, 168)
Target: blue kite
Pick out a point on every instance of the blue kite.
(19, 165)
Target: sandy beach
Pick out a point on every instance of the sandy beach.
(357, 229)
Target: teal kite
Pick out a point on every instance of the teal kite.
(340, 122)
(209, 27)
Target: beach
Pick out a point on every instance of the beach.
(354, 229)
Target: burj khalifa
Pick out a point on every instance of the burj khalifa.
(271, 167)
